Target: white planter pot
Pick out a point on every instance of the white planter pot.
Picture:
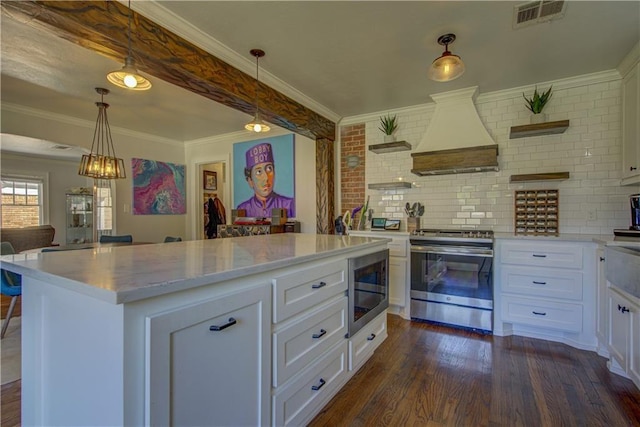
(538, 118)
(389, 138)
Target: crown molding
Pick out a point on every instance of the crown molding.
(154, 11)
(629, 61)
(73, 121)
(568, 83)
(361, 118)
(516, 92)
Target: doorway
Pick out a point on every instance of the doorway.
(213, 184)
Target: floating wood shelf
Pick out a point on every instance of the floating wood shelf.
(390, 185)
(548, 128)
(390, 147)
(539, 176)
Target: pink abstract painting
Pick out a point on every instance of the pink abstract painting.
(158, 188)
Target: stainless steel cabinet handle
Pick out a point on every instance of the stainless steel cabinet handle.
(319, 386)
(371, 337)
(322, 332)
(539, 256)
(231, 322)
(538, 313)
(539, 283)
(318, 285)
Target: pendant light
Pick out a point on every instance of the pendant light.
(102, 162)
(128, 77)
(448, 66)
(257, 124)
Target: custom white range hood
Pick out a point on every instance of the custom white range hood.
(456, 141)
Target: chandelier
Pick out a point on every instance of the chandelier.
(102, 163)
(257, 124)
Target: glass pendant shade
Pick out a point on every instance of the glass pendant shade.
(448, 66)
(257, 124)
(102, 162)
(128, 77)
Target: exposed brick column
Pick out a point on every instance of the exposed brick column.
(352, 187)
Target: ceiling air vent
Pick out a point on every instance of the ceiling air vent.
(536, 12)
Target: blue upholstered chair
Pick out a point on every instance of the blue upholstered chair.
(11, 286)
(172, 239)
(125, 238)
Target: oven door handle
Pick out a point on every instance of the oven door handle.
(457, 250)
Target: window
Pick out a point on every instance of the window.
(104, 208)
(22, 202)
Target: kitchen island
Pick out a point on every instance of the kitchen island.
(181, 333)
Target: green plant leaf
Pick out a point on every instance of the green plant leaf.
(537, 102)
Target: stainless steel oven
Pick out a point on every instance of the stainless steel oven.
(452, 278)
(368, 288)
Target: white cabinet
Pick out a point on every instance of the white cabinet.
(624, 334)
(631, 126)
(363, 344)
(602, 303)
(398, 268)
(209, 363)
(309, 346)
(545, 288)
(312, 358)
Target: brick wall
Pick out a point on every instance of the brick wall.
(352, 187)
(19, 216)
(591, 201)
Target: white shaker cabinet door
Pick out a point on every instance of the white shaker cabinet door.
(619, 326)
(209, 363)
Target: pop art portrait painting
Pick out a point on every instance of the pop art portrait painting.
(264, 176)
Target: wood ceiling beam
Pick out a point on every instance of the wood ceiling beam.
(102, 27)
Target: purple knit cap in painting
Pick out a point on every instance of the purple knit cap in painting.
(260, 153)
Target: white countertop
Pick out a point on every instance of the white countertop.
(601, 239)
(129, 273)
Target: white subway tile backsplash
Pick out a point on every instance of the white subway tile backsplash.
(589, 149)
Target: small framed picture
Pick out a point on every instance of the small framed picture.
(210, 180)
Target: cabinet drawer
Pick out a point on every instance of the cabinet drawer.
(362, 344)
(296, 402)
(298, 344)
(554, 283)
(304, 289)
(542, 255)
(542, 313)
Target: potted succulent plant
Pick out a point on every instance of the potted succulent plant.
(536, 103)
(388, 126)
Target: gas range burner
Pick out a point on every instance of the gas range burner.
(455, 235)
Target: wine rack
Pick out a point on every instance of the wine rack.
(537, 212)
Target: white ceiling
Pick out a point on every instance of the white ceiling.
(340, 58)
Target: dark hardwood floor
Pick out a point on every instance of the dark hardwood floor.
(426, 375)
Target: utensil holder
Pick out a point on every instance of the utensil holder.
(413, 224)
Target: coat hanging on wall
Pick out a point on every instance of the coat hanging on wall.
(214, 215)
